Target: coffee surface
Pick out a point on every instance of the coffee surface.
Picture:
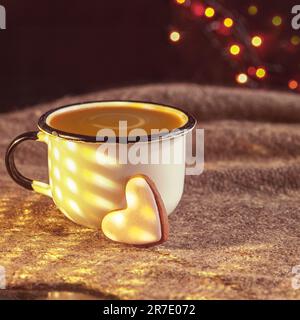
(88, 121)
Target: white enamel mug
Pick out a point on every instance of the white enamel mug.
(83, 186)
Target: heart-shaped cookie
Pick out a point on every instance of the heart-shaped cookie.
(144, 221)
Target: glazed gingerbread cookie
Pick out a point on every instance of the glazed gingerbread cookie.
(144, 222)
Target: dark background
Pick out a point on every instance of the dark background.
(54, 48)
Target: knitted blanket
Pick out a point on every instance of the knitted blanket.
(234, 235)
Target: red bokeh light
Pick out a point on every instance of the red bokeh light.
(251, 71)
(198, 9)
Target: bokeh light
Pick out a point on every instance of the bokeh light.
(256, 41)
(175, 36)
(232, 31)
(251, 71)
(209, 12)
(235, 49)
(198, 9)
(277, 21)
(252, 10)
(295, 40)
(293, 84)
(241, 78)
(260, 72)
(228, 22)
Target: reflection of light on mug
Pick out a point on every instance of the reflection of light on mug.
(44, 137)
(56, 173)
(58, 193)
(98, 201)
(71, 165)
(72, 185)
(71, 145)
(103, 158)
(74, 206)
(56, 153)
(88, 153)
(99, 155)
(100, 180)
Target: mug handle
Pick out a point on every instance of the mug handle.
(27, 183)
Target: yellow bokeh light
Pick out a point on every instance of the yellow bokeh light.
(235, 49)
(260, 73)
(180, 1)
(228, 22)
(71, 165)
(72, 185)
(242, 78)
(252, 10)
(277, 21)
(209, 12)
(256, 41)
(295, 40)
(175, 36)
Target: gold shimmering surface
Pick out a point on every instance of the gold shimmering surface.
(41, 247)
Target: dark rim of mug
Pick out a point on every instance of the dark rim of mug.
(42, 124)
